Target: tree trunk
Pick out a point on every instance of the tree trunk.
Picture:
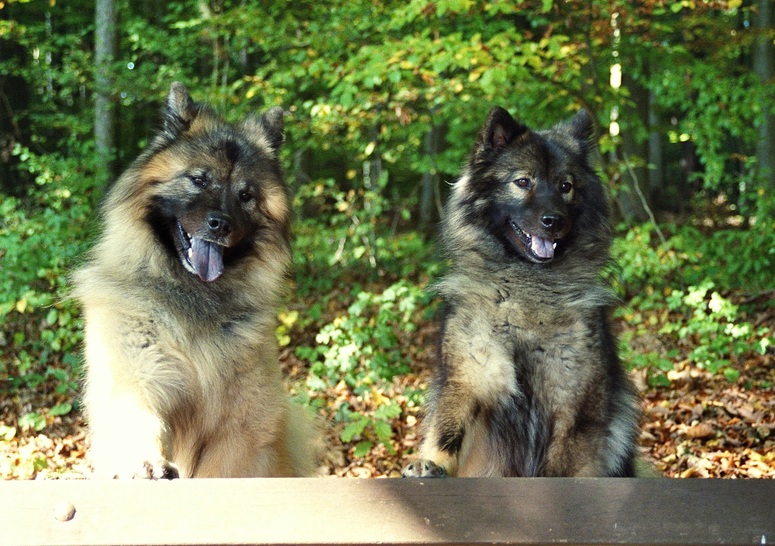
(104, 106)
(431, 180)
(764, 66)
(656, 158)
(634, 196)
(302, 166)
(372, 173)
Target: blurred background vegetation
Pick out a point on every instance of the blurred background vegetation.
(383, 101)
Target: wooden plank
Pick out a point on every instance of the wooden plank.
(408, 511)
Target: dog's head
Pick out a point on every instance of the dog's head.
(213, 192)
(535, 190)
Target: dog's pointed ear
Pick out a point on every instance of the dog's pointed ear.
(499, 130)
(268, 129)
(179, 111)
(582, 128)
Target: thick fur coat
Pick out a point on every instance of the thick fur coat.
(528, 380)
(179, 297)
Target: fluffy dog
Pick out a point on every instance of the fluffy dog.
(179, 297)
(528, 381)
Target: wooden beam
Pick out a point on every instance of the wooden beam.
(394, 511)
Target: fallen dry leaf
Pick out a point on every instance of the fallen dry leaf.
(700, 426)
(700, 431)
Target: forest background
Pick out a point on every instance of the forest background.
(383, 101)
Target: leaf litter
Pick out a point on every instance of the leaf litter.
(701, 425)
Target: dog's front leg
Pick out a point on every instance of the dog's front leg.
(127, 440)
(449, 420)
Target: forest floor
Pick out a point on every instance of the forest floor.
(702, 425)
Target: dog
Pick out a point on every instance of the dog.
(179, 297)
(528, 382)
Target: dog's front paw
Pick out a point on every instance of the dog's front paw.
(423, 468)
(159, 470)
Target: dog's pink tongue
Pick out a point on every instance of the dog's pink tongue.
(207, 259)
(543, 248)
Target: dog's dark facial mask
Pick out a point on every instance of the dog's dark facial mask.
(537, 215)
(209, 227)
(209, 213)
(531, 179)
(204, 240)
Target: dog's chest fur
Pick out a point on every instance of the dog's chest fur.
(532, 367)
(510, 343)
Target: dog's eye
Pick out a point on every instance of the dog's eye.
(566, 186)
(245, 196)
(522, 182)
(198, 180)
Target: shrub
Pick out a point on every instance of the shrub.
(678, 283)
(41, 237)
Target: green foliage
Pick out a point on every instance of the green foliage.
(362, 351)
(715, 328)
(354, 216)
(717, 101)
(362, 347)
(370, 428)
(655, 365)
(346, 241)
(41, 237)
(708, 326)
(354, 229)
(733, 258)
(7, 433)
(47, 201)
(32, 421)
(739, 259)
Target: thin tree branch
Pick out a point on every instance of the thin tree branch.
(642, 197)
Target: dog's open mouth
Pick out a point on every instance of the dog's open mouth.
(538, 248)
(202, 257)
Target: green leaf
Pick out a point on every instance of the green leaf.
(61, 409)
(383, 430)
(731, 374)
(185, 25)
(7, 433)
(51, 317)
(659, 380)
(362, 448)
(71, 359)
(354, 429)
(39, 463)
(58, 374)
(388, 411)
(33, 421)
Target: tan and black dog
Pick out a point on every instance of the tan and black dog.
(180, 296)
(528, 381)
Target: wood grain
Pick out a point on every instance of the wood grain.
(382, 511)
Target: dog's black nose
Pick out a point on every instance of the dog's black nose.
(553, 221)
(219, 224)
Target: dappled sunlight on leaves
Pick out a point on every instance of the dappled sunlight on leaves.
(705, 426)
(699, 425)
